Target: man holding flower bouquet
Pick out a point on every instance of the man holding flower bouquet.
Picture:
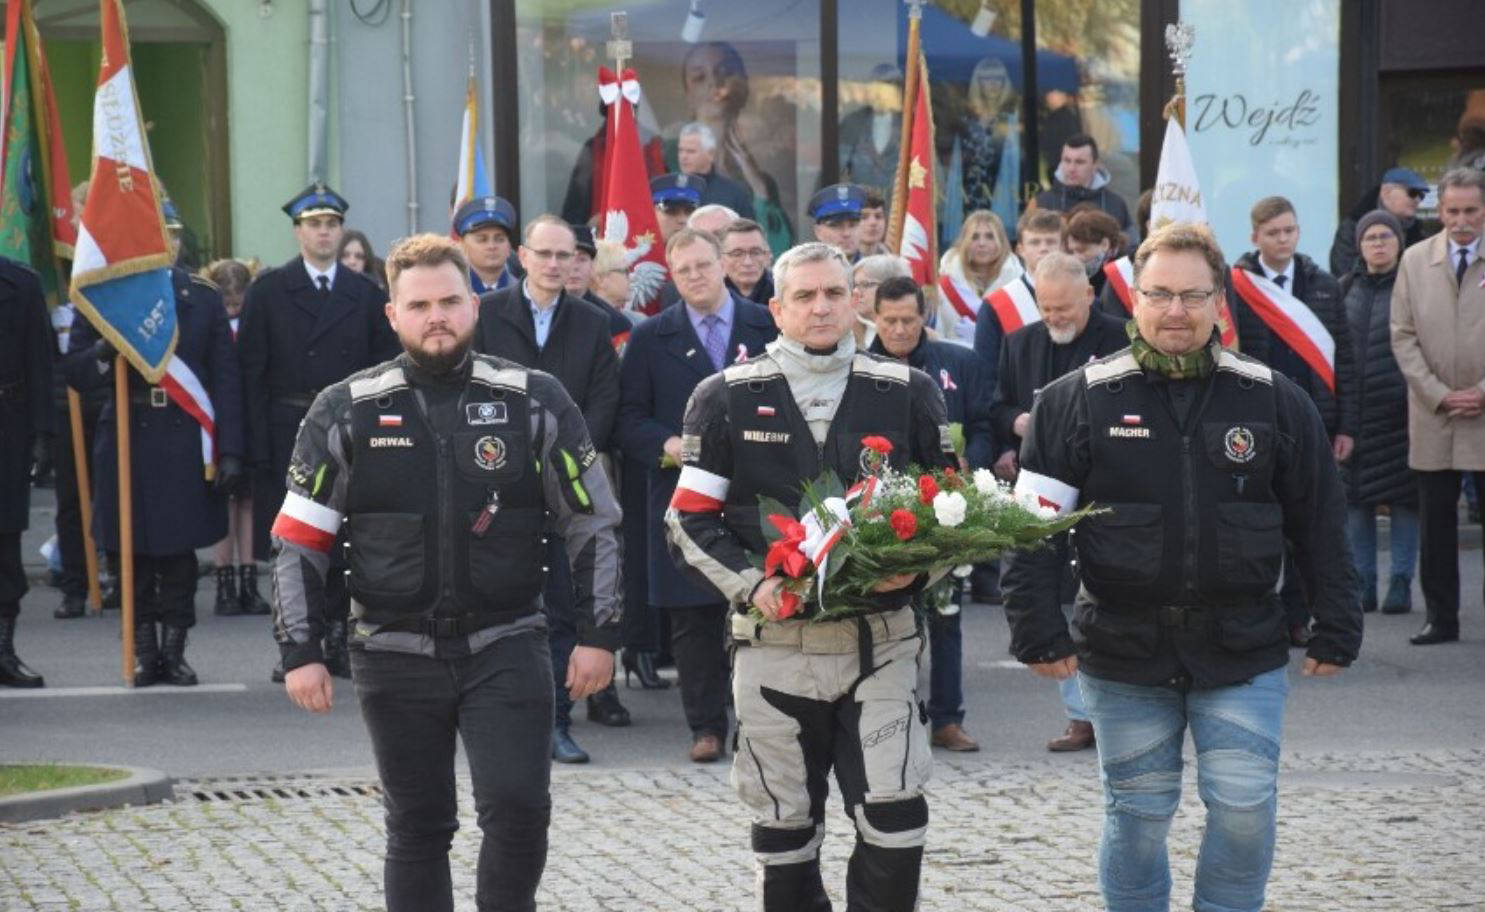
(814, 691)
(1204, 462)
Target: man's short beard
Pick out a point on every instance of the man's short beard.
(1062, 336)
(442, 362)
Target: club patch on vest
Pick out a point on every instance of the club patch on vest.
(378, 442)
(766, 436)
(1120, 431)
(477, 413)
(489, 453)
(1238, 444)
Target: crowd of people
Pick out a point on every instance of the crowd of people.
(1384, 356)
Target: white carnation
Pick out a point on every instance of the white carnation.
(986, 482)
(949, 508)
(1046, 512)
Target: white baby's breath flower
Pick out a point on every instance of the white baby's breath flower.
(949, 508)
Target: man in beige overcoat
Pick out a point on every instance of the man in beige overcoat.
(1438, 336)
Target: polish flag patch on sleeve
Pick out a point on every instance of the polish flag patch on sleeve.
(306, 523)
(699, 491)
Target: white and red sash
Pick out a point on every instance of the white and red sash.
(1120, 274)
(1014, 306)
(959, 295)
(181, 385)
(1291, 320)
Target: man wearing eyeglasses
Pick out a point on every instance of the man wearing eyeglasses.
(1293, 319)
(539, 325)
(745, 259)
(1400, 193)
(1203, 462)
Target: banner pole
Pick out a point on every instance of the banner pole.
(85, 499)
(126, 515)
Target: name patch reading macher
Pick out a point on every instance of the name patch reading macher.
(375, 442)
(1120, 431)
(766, 436)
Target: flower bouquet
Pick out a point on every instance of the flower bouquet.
(891, 524)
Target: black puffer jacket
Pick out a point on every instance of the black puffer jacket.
(1377, 472)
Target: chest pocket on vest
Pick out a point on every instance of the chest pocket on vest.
(491, 457)
(1249, 529)
(1124, 546)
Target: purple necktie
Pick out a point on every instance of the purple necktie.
(715, 341)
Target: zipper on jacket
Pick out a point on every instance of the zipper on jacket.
(1190, 545)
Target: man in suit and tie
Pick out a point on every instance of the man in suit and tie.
(538, 324)
(305, 325)
(1438, 336)
(668, 355)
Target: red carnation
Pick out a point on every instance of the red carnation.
(927, 488)
(877, 444)
(788, 604)
(904, 523)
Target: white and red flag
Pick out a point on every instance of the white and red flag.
(627, 212)
(914, 231)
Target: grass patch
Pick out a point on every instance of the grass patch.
(21, 778)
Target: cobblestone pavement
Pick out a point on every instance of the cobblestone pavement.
(1382, 831)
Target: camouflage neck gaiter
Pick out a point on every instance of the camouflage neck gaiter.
(1192, 365)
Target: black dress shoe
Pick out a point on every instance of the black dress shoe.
(566, 750)
(73, 606)
(605, 709)
(1432, 633)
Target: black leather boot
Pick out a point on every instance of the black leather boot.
(13, 672)
(146, 654)
(173, 667)
(605, 709)
(247, 590)
(227, 601)
(337, 654)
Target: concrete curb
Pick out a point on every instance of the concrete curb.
(141, 786)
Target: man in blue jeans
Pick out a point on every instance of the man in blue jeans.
(1204, 463)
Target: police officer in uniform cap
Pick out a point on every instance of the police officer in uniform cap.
(25, 423)
(178, 499)
(486, 226)
(837, 213)
(444, 464)
(676, 196)
(1206, 462)
(812, 695)
(305, 325)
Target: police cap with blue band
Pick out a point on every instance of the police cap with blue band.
(485, 212)
(316, 199)
(838, 201)
(677, 190)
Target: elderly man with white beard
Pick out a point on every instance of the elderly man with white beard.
(1069, 335)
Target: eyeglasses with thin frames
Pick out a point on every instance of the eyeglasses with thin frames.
(561, 256)
(1163, 298)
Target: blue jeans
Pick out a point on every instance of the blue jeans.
(946, 670)
(1361, 523)
(1072, 700)
(1140, 732)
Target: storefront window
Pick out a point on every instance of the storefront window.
(751, 73)
(1431, 122)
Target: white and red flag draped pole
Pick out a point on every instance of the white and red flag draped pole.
(913, 232)
(626, 211)
(121, 274)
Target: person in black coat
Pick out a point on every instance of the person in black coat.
(1377, 472)
(696, 153)
(1276, 234)
(25, 424)
(305, 325)
(963, 378)
(178, 504)
(537, 324)
(665, 361)
(1069, 335)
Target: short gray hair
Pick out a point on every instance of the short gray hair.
(810, 252)
(1462, 177)
(879, 267)
(702, 132)
(1060, 265)
(711, 209)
